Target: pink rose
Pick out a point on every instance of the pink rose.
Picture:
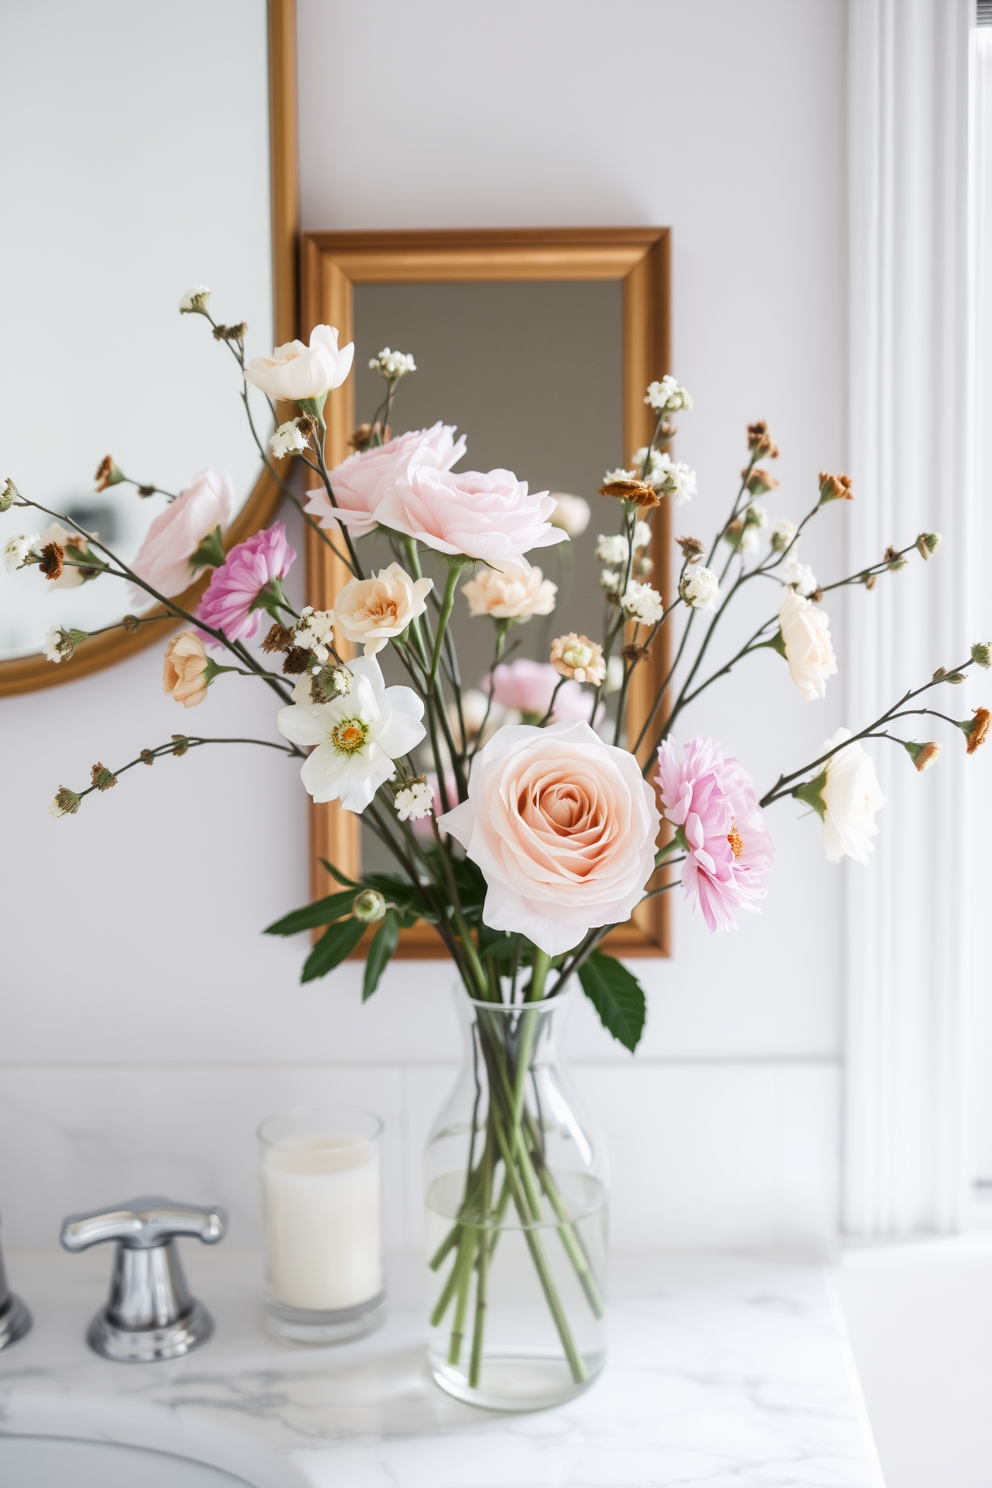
(563, 828)
(360, 482)
(176, 533)
(527, 687)
(482, 516)
(229, 603)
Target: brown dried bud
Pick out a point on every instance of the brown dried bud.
(231, 332)
(102, 778)
(107, 474)
(691, 547)
(638, 493)
(634, 654)
(977, 731)
(278, 638)
(940, 672)
(760, 441)
(894, 559)
(147, 757)
(131, 622)
(758, 481)
(296, 661)
(927, 756)
(817, 595)
(51, 560)
(146, 490)
(835, 488)
(180, 744)
(307, 425)
(871, 581)
(365, 434)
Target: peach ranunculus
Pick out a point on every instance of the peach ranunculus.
(184, 669)
(490, 517)
(807, 645)
(510, 590)
(563, 828)
(163, 559)
(298, 373)
(360, 482)
(372, 611)
(578, 657)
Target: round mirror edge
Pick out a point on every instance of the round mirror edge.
(22, 674)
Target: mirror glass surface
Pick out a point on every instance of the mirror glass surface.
(134, 163)
(532, 375)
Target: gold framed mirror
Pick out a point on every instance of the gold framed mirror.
(216, 182)
(339, 271)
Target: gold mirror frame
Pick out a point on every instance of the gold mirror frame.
(30, 673)
(639, 257)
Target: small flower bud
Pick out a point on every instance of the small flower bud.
(760, 441)
(131, 623)
(231, 332)
(330, 682)
(278, 638)
(783, 535)
(65, 803)
(8, 494)
(392, 365)
(195, 300)
(368, 906)
(52, 555)
(976, 730)
(927, 544)
(896, 561)
(296, 661)
(981, 654)
(923, 755)
(107, 474)
(634, 492)
(691, 547)
(835, 488)
(955, 678)
(147, 757)
(759, 481)
(871, 581)
(102, 778)
(180, 744)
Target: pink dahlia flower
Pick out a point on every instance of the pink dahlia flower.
(527, 687)
(234, 588)
(711, 799)
(360, 482)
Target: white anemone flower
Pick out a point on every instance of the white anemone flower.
(355, 738)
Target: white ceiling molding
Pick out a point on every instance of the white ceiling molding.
(907, 933)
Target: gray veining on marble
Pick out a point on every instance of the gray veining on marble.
(724, 1372)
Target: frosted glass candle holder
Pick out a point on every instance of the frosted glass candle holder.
(323, 1228)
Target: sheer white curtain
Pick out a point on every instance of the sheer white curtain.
(909, 926)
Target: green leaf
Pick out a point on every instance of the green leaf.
(617, 997)
(349, 883)
(811, 791)
(384, 943)
(331, 949)
(323, 912)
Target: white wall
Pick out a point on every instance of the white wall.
(146, 1025)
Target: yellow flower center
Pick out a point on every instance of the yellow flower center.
(349, 735)
(736, 841)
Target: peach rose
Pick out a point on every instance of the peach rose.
(807, 645)
(563, 828)
(511, 590)
(176, 533)
(374, 610)
(183, 669)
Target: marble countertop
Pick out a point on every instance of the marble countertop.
(723, 1371)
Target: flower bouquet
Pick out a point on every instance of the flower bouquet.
(526, 817)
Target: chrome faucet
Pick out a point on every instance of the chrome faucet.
(150, 1314)
(15, 1320)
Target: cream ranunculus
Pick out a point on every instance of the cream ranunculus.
(851, 796)
(163, 559)
(184, 669)
(563, 828)
(510, 590)
(372, 611)
(355, 738)
(807, 645)
(296, 372)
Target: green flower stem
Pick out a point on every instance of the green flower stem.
(482, 1265)
(462, 1273)
(455, 567)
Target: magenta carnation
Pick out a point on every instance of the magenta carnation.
(234, 588)
(711, 799)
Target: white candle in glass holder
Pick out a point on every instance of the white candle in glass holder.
(321, 1195)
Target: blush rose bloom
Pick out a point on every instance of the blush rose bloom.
(510, 590)
(360, 482)
(295, 372)
(491, 517)
(851, 796)
(183, 669)
(808, 649)
(563, 829)
(176, 533)
(372, 611)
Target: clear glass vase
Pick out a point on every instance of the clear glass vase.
(516, 1217)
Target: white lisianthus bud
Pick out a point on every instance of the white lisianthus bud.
(414, 801)
(392, 365)
(700, 589)
(642, 603)
(368, 906)
(667, 396)
(783, 534)
(287, 440)
(17, 551)
(571, 513)
(610, 581)
(800, 576)
(195, 300)
(611, 548)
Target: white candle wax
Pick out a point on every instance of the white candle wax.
(322, 1223)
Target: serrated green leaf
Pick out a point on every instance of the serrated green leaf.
(342, 878)
(384, 943)
(617, 996)
(331, 949)
(323, 912)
